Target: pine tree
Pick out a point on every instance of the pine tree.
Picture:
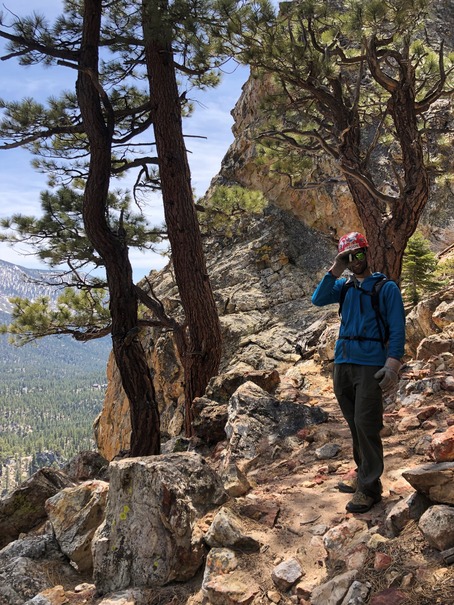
(225, 206)
(91, 136)
(354, 82)
(419, 265)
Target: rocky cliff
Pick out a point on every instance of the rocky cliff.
(327, 208)
(262, 278)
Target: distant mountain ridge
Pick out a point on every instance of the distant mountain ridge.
(16, 280)
(51, 390)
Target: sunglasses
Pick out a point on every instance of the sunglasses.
(361, 255)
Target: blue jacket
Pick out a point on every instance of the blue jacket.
(358, 319)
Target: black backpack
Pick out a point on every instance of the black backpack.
(383, 328)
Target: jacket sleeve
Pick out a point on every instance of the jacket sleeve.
(395, 317)
(328, 290)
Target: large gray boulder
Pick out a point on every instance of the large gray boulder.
(256, 418)
(150, 537)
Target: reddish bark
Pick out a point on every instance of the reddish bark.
(129, 354)
(200, 351)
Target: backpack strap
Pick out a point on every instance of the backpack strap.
(384, 333)
(349, 283)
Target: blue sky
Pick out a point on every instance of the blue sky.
(20, 184)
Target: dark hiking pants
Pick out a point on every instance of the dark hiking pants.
(360, 399)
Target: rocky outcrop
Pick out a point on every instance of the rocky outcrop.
(23, 509)
(328, 208)
(262, 280)
(150, 537)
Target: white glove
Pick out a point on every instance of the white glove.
(388, 375)
(339, 265)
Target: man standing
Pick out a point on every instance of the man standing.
(367, 358)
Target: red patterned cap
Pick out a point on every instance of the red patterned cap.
(352, 241)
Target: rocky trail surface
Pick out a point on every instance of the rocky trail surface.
(295, 542)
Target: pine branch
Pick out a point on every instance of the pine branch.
(367, 183)
(33, 45)
(378, 74)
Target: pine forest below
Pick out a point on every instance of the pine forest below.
(50, 394)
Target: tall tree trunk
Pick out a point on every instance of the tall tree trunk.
(129, 354)
(388, 228)
(201, 353)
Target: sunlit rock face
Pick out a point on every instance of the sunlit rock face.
(150, 535)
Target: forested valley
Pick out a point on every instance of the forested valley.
(50, 393)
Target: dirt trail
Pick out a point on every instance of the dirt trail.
(304, 489)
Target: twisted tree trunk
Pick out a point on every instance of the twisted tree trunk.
(129, 354)
(389, 221)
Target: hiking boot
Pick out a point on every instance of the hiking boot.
(361, 503)
(348, 485)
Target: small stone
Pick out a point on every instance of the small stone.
(429, 425)
(273, 596)
(407, 580)
(84, 586)
(220, 561)
(226, 531)
(309, 484)
(408, 424)
(287, 573)
(442, 448)
(231, 588)
(319, 530)
(356, 557)
(382, 561)
(427, 412)
(448, 383)
(329, 450)
(375, 540)
(334, 590)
